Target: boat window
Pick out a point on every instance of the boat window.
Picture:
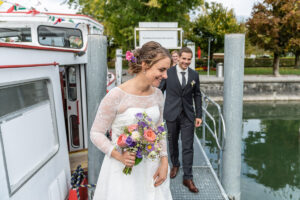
(18, 97)
(74, 127)
(72, 86)
(15, 35)
(60, 37)
(28, 130)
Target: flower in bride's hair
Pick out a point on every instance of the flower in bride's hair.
(130, 57)
(122, 140)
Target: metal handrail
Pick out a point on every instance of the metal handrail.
(213, 132)
(219, 135)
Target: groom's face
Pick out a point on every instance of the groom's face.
(185, 60)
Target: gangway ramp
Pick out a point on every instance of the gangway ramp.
(204, 178)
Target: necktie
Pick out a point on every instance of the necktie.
(183, 83)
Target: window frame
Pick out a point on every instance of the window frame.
(15, 114)
(19, 27)
(59, 27)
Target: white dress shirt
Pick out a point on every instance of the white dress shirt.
(179, 70)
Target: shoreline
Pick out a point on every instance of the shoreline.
(256, 87)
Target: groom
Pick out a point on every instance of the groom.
(182, 87)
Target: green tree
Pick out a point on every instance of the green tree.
(292, 20)
(271, 27)
(214, 22)
(120, 17)
(294, 46)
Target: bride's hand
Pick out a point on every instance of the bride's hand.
(128, 158)
(161, 173)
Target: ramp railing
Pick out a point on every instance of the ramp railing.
(215, 125)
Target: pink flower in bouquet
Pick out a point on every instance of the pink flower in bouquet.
(122, 140)
(132, 127)
(149, 135)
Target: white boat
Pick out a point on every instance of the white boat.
(43, 109)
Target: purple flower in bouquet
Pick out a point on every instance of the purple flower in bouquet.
(142, 124)
(142, 138)
(149, 119)
(139, 154)
(130, 142)
(160, 129)
(139, 116)
(149, 147)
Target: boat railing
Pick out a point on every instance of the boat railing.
(215, 125)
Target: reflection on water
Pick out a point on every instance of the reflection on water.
(270, 152)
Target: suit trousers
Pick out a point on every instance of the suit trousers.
(184, 126)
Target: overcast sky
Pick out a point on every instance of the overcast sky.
(241, 7)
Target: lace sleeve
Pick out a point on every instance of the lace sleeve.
(163, 143)
(105, 116)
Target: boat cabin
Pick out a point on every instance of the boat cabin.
(43, 103)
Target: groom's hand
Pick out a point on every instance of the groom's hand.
(198, 122)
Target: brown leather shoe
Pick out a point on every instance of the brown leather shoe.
(173, 172)
(190, 184)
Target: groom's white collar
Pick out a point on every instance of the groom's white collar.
(179, 69)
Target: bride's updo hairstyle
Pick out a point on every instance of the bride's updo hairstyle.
(150, 53)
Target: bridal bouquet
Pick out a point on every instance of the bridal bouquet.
(142, 138)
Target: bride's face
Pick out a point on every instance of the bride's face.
(158, 71)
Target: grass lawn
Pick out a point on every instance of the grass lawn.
(261, 71)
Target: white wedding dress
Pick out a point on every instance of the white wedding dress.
(117, 110)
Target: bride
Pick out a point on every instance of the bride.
(148, 180)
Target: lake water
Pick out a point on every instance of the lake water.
(270, 151)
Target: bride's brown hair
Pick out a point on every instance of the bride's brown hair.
(150, 53)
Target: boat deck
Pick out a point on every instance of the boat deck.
(79, 158)
(204, 178)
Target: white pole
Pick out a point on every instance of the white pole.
(191, 45)
(233, 111)
(208, 56)
(118, 66)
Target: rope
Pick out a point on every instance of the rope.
(76, 178)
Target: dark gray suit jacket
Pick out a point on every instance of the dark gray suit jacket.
(178, 99)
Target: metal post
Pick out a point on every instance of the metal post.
(219, 73)
(96, 74)
(233, 109)
(191, 45)
(208, 56)
(118, 66)
(204, 120)
(135, 38)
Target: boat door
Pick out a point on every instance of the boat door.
(73, 106)
(34, 160)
